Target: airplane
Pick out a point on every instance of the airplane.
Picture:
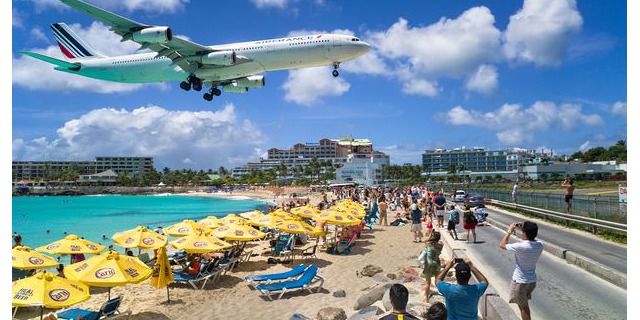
(234, 67)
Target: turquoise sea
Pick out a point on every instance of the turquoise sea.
(92, 217)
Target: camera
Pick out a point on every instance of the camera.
(458, 260)
(519, 225)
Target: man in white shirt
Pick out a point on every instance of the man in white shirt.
(514, 192)
(527, 253)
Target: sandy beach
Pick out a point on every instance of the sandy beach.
(388, 247)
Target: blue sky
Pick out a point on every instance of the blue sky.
(494, 74)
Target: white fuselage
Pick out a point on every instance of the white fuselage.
(253, 57)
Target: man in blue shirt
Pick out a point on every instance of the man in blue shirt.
(462, 298)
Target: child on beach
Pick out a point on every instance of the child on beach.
(430, 259)
(429, 226)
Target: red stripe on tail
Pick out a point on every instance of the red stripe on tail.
(65, 51)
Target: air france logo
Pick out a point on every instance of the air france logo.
(59, 295)
(36, 260)
(104, 273)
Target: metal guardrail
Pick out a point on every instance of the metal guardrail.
(548, 213)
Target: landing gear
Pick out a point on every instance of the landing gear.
(197, 86)
(192, 82)
(335, 72)
(213, 92)
(186, 86)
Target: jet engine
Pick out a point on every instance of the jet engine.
(153, 35)
(234, 87)
(221, 58)
(256, 81)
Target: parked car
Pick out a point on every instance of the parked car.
(475, 200)
(460, 196)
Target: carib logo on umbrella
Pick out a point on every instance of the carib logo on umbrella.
(132, 272)
(104, 273)
(59, 295)
(53, 246)
(183, 230)
(73, 247)
(148, 241)
(36, 260)
(91, 246)
(199, 244)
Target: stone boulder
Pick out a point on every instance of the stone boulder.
(366, 313)
(372, 296)
(331, 313)
(370, 270)
(340, 294)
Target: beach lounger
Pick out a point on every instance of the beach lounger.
(108, 310)
(206, 272)
(302, 283)
(270, 277)
(345, 246)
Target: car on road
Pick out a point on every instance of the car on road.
(475, 200)
(459, 196)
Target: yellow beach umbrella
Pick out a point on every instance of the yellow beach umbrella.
(306, 211)
(284, 214)
(71, 244)
(232, 218)
(108, 270)
(186, 227)
(252, 214)
(161, 275)
(299, 226)
(24, 258)
(211, 222)
(238, 232)
(201, 243)
(338, 218)
(358, 213)
(268, 221)
(47, 290)
(140, 237)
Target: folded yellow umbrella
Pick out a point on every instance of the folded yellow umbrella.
(140, 237)
(24, 258)
(201, 243)
(47, 290)
(161, 275)
(71, 244)
(238, 232)
(186, 227)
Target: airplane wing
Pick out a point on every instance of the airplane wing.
(186, 54)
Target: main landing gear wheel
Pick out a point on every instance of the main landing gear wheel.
(186, 86)
(197, 86)
(208, 96)
(216, 92)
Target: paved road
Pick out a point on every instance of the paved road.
(607, 253)
(564, 291)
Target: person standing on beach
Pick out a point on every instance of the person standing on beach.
(430, 260)
(383, 207)
(567, 184)
(527, 254)
(416, 221)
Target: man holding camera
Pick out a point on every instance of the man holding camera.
(462, 298)
(527, 253)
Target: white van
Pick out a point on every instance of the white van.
(460, 195)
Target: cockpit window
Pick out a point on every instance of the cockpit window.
(355, 39)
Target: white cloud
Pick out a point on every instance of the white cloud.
(39, 75)
(198, 139)
(514, 124)
(271, 3)
(401, 154)
(450, 47)
(484, 80)
(585, 146)
(307, 86)
(619, 108)
(37, 33)
(420, 87)
(539, 32)
(16, 18)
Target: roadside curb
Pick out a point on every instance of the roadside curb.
(617, 278)
(491, 306)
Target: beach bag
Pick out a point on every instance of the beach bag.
(396, 222)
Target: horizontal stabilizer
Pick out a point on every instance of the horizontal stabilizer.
(61, 63)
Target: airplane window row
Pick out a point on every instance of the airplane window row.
(299, 43)
(128, 61)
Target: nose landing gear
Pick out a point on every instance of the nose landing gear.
(335, 72)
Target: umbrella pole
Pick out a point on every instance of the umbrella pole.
(168, 300)
(109, 294)
(41, 312)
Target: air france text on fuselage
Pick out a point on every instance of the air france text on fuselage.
(303, 38)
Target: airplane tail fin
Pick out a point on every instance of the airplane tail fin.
(71, 45)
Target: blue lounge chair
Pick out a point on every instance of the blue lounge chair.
(108, 309)
(302, 283)
(270, 277)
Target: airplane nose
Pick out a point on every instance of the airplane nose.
(364, 47)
